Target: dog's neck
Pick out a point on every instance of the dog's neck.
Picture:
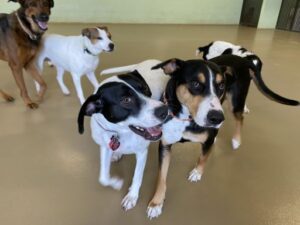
(26, 27)
(89, 50)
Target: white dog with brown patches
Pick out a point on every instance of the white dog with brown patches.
(78, 55)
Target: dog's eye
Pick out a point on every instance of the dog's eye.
(195, 84)
(222, 86)
(126, 100)
(99, 38)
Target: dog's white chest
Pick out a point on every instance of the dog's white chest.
(173, 131)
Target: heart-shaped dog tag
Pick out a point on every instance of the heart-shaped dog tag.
(114, 143)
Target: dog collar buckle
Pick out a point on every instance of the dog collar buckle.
(114, 143)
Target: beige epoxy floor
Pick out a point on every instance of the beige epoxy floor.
(49, 173)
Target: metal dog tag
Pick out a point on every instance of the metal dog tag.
(114, 143)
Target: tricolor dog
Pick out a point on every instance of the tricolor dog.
(194, 91)
(78, 55)
(243, 72)
(20, 38)
(124, 121)
(218, 48)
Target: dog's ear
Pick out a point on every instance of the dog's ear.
(94, 104)
(86, 32)
(51, 3)
(170, 66)
(229, 74)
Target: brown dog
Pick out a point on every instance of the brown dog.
(20, 35)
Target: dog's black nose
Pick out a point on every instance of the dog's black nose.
(111, 46)
(43, 17)
(215, 117)
(161, 112)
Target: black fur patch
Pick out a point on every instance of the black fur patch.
(227, 51)
(4, 25)
(135, 80)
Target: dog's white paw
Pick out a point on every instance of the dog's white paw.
(154, 211)
(235, 144)
(114, 182)
(129, 201)
(116, 157)
(246, 110)
(65, 91)
(195, 176)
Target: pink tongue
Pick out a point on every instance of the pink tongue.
(154, 131)
(43, 25)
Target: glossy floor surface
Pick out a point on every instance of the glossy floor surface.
(49, 173)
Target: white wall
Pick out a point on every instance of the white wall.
(144, 11)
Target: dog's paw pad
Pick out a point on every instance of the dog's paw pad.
(195, 176)
(154, 211)
(116, 183)
(116, 157)
(235, 144)
(129, 201)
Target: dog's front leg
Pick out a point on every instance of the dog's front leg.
(155, 206)
(18, 75)
(105, 179)
(196, 174)
(33, 71)
(92, 78)
(77, 82)
(130, 200)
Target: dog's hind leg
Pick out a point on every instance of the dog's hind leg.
(156, 204)
(77, 82)
(237, 138)
(129, 201)
(6, 97)
(92, 78)
(104, 178)
(60, 80)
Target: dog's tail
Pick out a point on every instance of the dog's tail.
(122, 69)
(262, 87)
(203, 49)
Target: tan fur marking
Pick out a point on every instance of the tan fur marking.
(195, 137)
(219, 78)
(186, 98)
(161, 186)
(238, 127)
(201, 78)
(106, 30)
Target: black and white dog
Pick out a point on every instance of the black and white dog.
(218, 48)
(124, 121)
(194, 92)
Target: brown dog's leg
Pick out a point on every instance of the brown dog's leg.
(33, 71)
(7, 97)
(156, 204)
(18, 75)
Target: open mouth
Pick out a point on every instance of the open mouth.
(41, 24)
(150, 133)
